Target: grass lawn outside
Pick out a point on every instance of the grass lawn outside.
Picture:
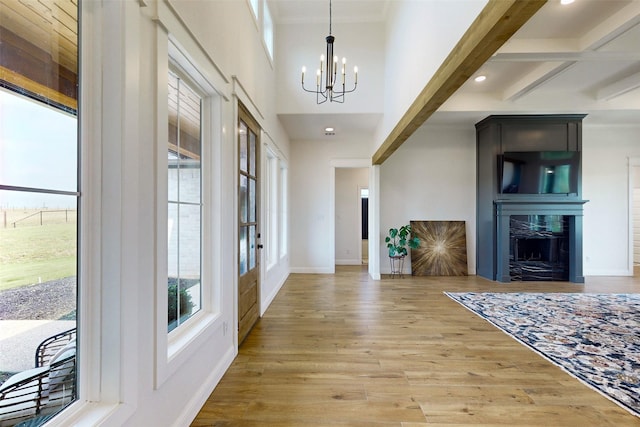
(37, 253)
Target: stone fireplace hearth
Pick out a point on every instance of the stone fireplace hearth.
(539, 240)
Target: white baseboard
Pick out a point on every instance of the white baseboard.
(312, 270)
(202, 393)
(267, 302)
(588, 272)
(354, 261)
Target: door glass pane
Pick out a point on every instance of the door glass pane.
(252, 200)
(243, 198)
(243, 250)
(243, 146)
(252, 153)
(252, 247)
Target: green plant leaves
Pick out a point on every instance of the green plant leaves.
(398, 240)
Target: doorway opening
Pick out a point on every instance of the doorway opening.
(364, 221)
(351, 216)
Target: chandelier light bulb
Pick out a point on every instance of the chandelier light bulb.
(327, 86)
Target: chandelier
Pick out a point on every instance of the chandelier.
(328, 85)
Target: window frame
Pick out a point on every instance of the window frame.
(271, 195)
(254, 7)
(282, 209)
(268, 31)
(172, 347)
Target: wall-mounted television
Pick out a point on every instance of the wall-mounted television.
(539, 172)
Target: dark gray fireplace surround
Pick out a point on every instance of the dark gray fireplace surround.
(527, 236)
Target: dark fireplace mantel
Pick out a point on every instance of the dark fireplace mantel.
(570, 208)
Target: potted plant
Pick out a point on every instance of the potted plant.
(398, 240)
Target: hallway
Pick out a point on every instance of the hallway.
(345, 350)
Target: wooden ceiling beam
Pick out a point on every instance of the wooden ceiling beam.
(495, 24)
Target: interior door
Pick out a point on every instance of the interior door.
(248, 223)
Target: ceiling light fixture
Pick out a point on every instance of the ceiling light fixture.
(564, 2)
(480, 78)
(327, 74)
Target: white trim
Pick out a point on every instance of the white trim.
(201, 394)
(254, 13)
(374, 222)
(170, 20)
(359, 196)
(266, 302)
(632, 162)
(312, 270)
(608, 273)
(173, 349)
(333, 165)
(247, 102)
(353, 261)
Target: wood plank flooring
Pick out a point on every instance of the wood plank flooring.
(344, 350)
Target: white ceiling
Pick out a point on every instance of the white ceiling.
(579, 58)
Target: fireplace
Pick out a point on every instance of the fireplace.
(539, 239)
(529, 203)
(539, 247)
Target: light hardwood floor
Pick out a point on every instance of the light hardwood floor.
(344, 350)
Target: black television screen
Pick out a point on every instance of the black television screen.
(540, 172)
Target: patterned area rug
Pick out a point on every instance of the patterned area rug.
(594, 337)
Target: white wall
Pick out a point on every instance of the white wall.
(431, 177)
(432, 29)
(605, 183)
(131, 371)
(311, 223)
(348, 220)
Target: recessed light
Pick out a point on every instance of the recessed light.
(564, 2)
(480, 78)
(329, 129)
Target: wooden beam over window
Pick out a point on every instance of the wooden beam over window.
(497, 22)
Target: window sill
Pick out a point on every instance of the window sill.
(92, 414)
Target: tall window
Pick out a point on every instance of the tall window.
(255, 5)
(39, 199)
(267, 29)
(184, 225)
(271, 199)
